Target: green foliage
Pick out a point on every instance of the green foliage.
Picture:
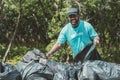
(42, 20)
(62, 54)
(15, 54)
(112, 55)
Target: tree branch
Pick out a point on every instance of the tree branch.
(1, 8)
(11, 41)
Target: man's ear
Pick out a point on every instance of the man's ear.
(67, 19)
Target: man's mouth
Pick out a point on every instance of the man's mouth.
(73, 21)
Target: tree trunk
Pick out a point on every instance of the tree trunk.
(12, 39)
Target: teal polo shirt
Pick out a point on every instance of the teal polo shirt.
(78, 37)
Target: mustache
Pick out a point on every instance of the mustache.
(73, 19)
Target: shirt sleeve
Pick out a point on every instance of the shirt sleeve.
(62, 36)
(91, 31)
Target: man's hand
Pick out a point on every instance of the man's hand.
(96, 39)
(53, 50)
(48, 55)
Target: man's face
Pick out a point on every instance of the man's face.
(74, 20)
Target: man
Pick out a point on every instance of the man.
(77, 32)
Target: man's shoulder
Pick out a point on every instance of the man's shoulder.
(67, 26)
(66, 29)
(85, 22)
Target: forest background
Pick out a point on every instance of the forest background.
(29, 24)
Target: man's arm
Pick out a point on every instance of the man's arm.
(53, 50)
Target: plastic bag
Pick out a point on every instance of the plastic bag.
(34, 71)
(88, 53)
(99, 70)
(106, 70)
(9, 72)
(62, 71)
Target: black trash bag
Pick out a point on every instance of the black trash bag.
(1, 67)
(78, 67)
(62, 71)
(99, 70)
(68, 74)
(34, 54)
(88, 53)
(86, 73)
(62, 75)
(34, 71)
(72, 73)
(58, 68)
(9, 72)
(94, 55)
(31, 69)
(105, 70)
(94, 69)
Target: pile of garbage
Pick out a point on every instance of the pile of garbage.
(35, 66)
(9, 72)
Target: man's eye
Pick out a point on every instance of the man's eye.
(71, 16)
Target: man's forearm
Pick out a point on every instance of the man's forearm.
(54, 49)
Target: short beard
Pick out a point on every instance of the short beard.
(75, 25)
